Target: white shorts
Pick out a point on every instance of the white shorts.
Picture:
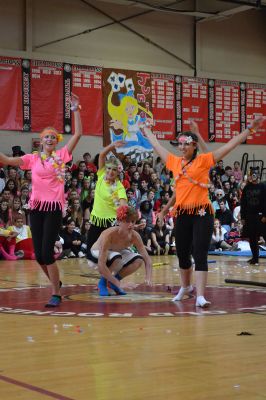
(127, 256)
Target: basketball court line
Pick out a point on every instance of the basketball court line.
(34, 388)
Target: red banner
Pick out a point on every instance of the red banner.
(87, 84)
(163, 105)
(195, 104)
(11, 117)
(256, 107)
(227, 110)
(46, 95)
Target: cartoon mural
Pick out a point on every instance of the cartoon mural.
(126, 115)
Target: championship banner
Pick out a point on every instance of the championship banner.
(11, 117)
(87, 85)
(46, 95)
(256, 107)
(227, 110)
(163, 105)
(26, 97)
(127, 106)
(195, 104)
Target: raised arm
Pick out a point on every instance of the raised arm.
(194, 128)
(107, 149)
(12, 161)
(163, 153)
(222, 151)
(75, 107)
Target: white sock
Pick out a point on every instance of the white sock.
(202, 302)
(182, 292)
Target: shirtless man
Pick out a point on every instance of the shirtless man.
(112, 254)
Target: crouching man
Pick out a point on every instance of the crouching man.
(113, 255)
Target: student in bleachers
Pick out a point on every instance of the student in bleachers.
(225, 216)
(15, 211)
(147, 212)
(160, 238)
(24, 244)
(145, 235)
(72, 240)
(8, 244)
(218, 237)
(237, 173)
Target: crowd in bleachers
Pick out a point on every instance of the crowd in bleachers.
(149, 186)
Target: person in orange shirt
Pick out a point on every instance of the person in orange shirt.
(193, 208)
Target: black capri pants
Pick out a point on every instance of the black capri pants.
(193, 237)
(45, 227)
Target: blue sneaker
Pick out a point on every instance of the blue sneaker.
(102, 286)
(117, 290)
(54, 301)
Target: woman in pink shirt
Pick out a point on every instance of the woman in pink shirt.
(47, 196)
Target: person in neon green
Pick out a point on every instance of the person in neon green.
(109, 195)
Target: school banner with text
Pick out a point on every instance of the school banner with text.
(194, 98)
(256, 107)
(46, 95)
(11, 116)
(127, 106)
(87, 84)
(163, 106)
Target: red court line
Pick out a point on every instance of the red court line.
(34, 388)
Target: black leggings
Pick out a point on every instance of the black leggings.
(93, 235)
(45, 226)
(192, 237)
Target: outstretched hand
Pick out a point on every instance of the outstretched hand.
(257, 123)
(74, 102)
(193, 126)
(118, 143)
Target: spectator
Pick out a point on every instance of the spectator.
(160, 238)
(225, 216)
(237, 173)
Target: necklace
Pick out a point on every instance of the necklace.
(113, 190)
(184, 168)
(57, 164)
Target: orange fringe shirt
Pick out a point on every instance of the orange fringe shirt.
(191, 197)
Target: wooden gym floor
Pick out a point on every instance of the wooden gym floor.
(135, 347)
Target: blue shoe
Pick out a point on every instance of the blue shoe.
(102, 286)
(54, 301)
(117, 290)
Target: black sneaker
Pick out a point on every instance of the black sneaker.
(252, 261)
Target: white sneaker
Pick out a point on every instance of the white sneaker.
(81, 254)
(202, 302)
(71, 255)
(182, 292)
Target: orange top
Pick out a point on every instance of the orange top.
(191, 197)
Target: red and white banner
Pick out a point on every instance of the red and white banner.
(87, 84)
(46, 95)
(256, 107)
(195, 104)
(227, 110)
(11, 116)
(163, 105)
